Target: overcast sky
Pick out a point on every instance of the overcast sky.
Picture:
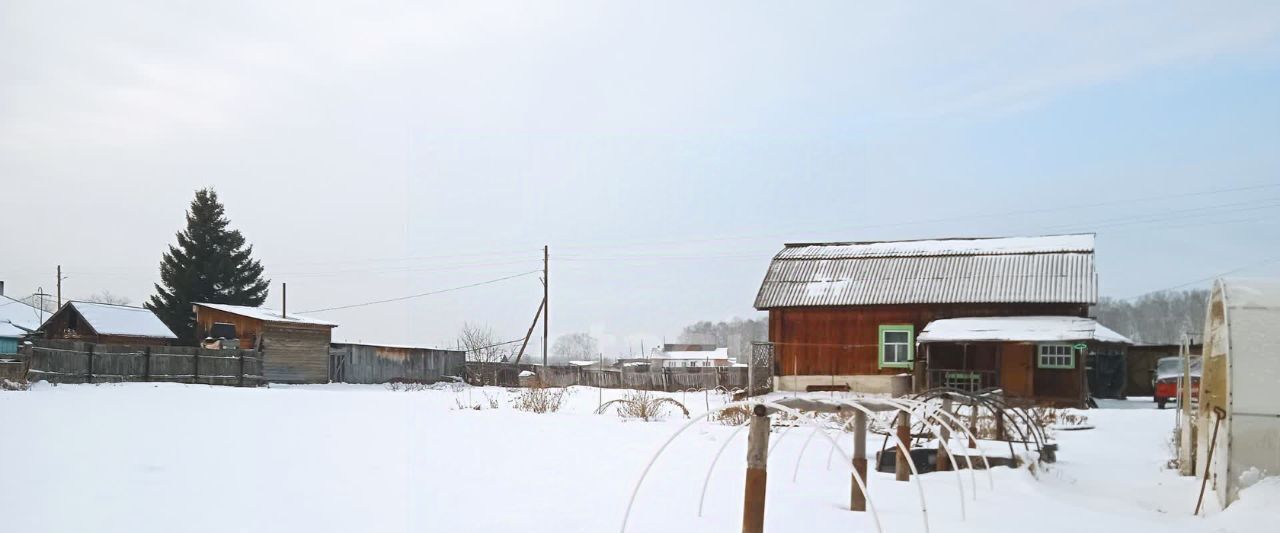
(664, 150)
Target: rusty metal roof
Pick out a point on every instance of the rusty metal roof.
(1050, 269)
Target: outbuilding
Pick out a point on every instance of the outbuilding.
(295, 348)
(107, 324)
(847, 314)
(1241, 370)
(1032, 359)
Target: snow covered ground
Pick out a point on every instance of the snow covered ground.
(164, 457)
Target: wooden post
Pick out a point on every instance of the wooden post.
(195, 367)
(89, 375)
(944, 436)
(858, 500)
(757, 462)
(973, 422)
(902, 472)
(146, 363)
(1000, 432)
(546, 302)
(241, 380)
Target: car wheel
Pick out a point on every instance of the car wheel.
(1160, 402)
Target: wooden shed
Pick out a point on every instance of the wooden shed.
(1140, 360)
(847, 314)
(295, 348)
(1033, 359)
(107, 324)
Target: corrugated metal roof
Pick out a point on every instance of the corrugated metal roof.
(1055, 269)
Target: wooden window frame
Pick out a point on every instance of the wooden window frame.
(910, 330)
(1040, 355)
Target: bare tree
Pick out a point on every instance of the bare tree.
(575, 347)
(107, 297)
(481, 344)
(1158, 317)
(736, 334)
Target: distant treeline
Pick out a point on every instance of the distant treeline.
(1156, 318)
(737, 334)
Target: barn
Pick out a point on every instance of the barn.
(1237, 420)
(295, 348)
(847, 314)
(107, 324)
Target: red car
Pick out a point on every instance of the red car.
(1166, 376)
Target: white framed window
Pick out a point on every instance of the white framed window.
(1055, 356)
(897, 345)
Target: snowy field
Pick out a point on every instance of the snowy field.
(164, 457)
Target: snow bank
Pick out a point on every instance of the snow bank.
(165, 457)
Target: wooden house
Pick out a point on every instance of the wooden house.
(848, 314)
(107, 324)
(295, 349)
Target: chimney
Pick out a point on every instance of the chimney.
(284, 300)
(1, 288)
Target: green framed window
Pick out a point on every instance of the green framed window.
(897, 345)
(1055, 356)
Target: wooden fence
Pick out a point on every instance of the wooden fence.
(670, 379)
(363, 363)
(58, 361)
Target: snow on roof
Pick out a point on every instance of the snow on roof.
(1082, 242)
(582, 363)
(718, 353)
(1018, 329)
(266, 314)
(20, 314)
(125, 320)
(1048, 269)
(10, 330)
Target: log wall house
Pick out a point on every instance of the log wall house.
(107, 324)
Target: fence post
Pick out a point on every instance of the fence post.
(241, 380)
(89, 375)
(944, 436)
(146, 363)
(857, 499)
(902, 472)
(757, 464)
(195, 368)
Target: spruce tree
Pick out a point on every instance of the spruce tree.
(209, 264)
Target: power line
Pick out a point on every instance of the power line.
(937, 220)
(411, 296)
(1204, 279)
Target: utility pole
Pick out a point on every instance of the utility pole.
(59, 286)
(40, 294)
(546, 303)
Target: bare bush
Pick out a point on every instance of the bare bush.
(8, 384)
(643, 405)
(733, 416)
(539, 399)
